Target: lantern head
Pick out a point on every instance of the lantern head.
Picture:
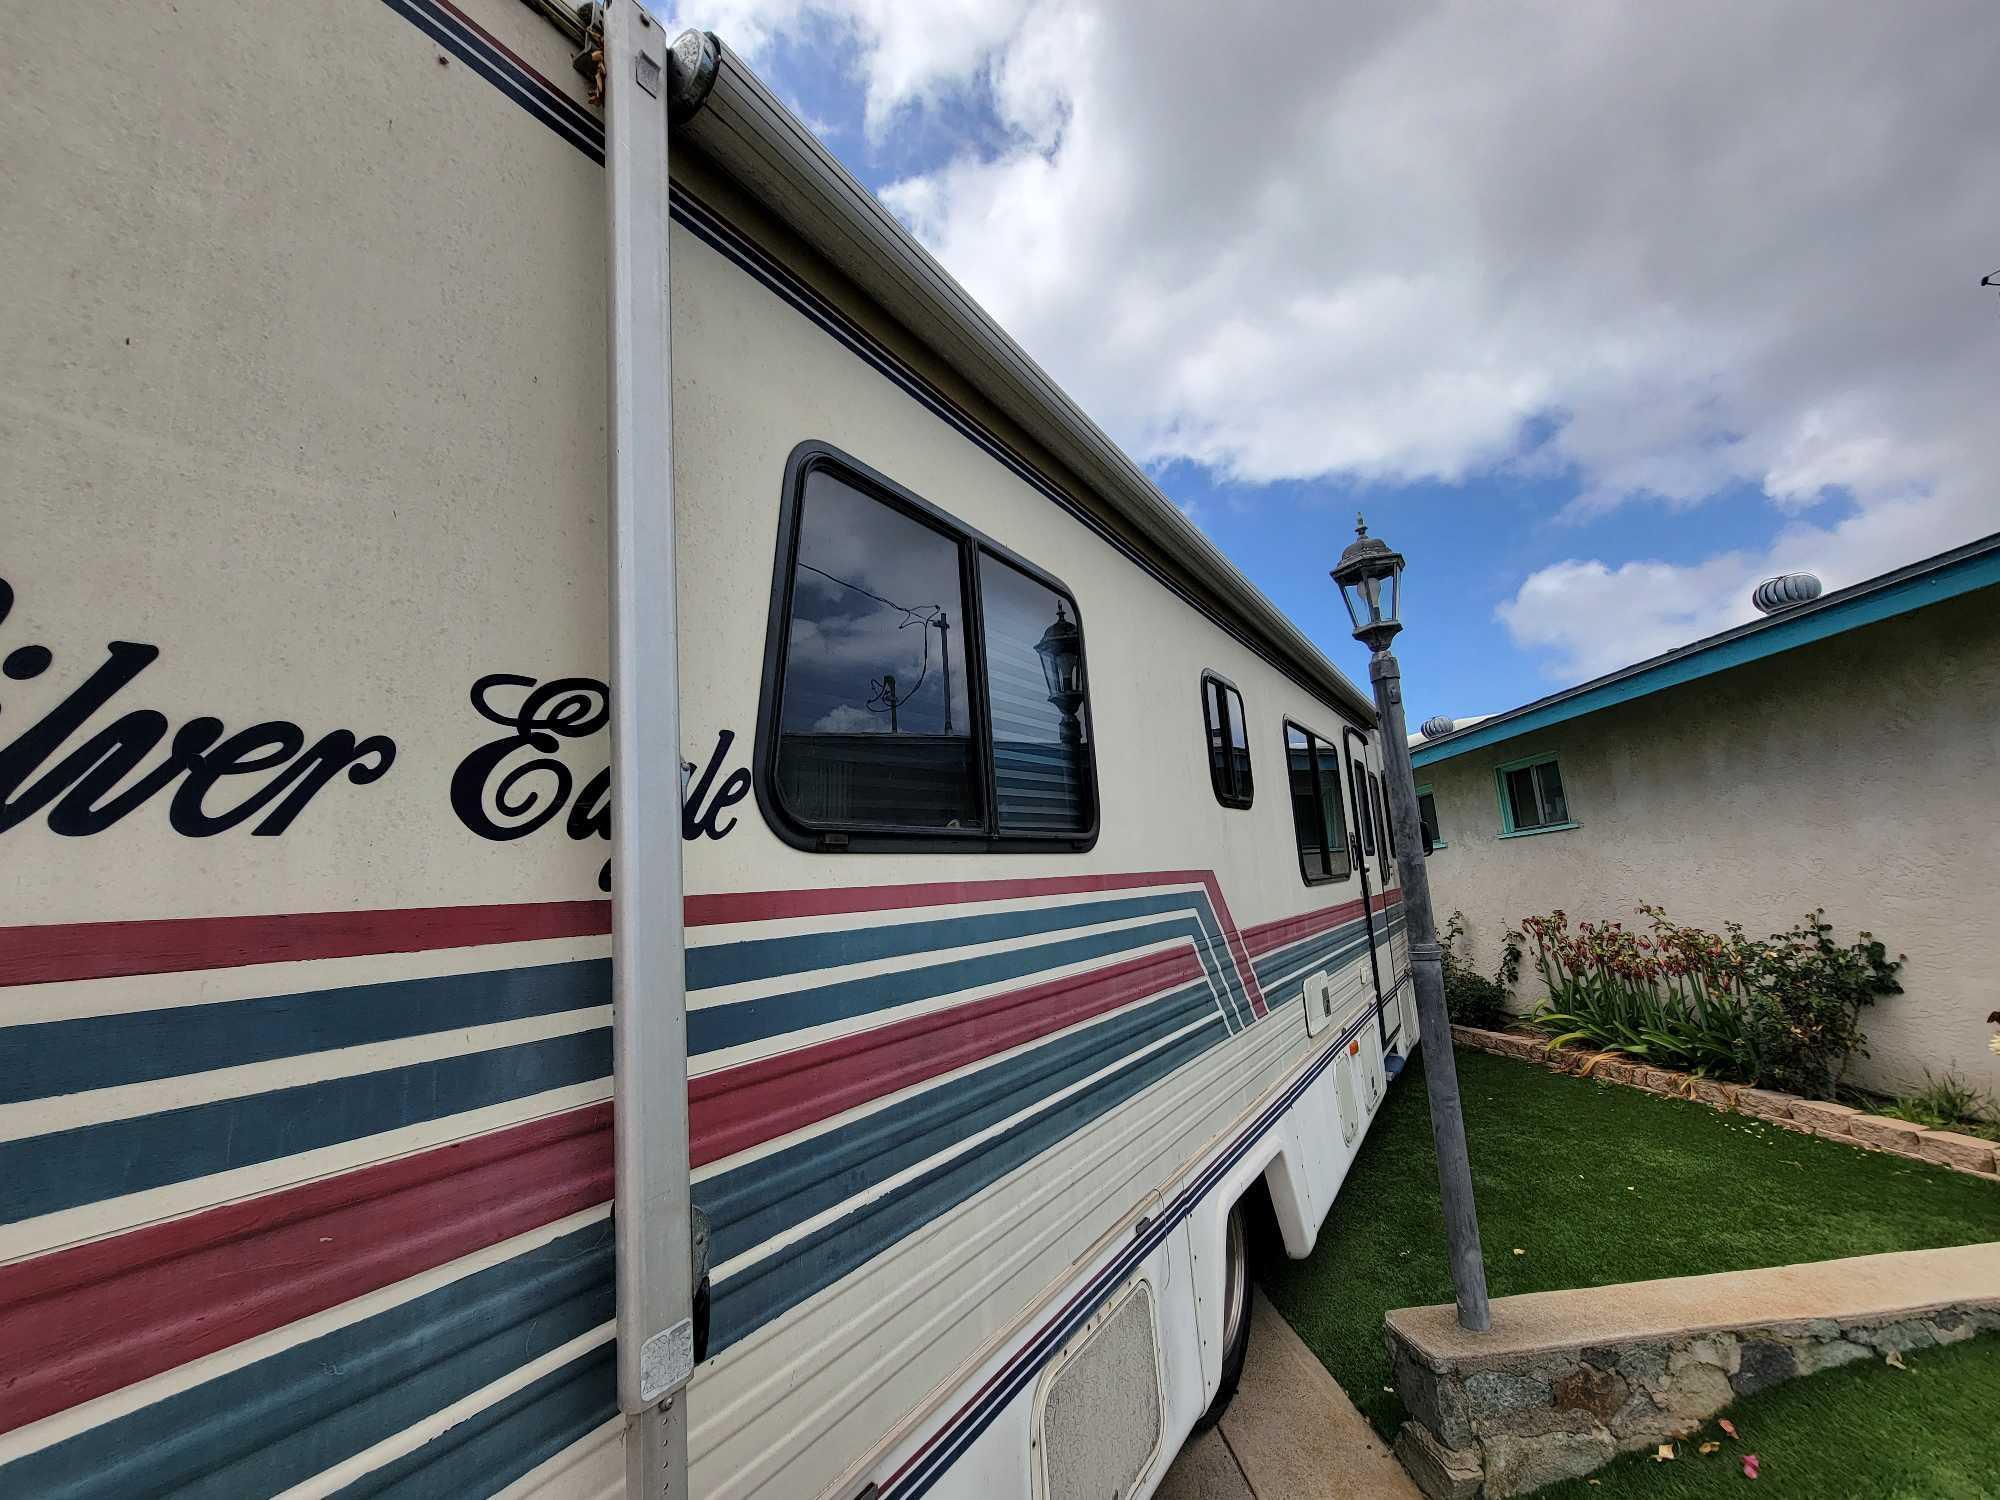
(1370, 576)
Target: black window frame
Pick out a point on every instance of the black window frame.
(1385, 828)
(1222, 779)
(1314, 742)
(822, 837)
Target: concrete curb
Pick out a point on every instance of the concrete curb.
(1970, 1154)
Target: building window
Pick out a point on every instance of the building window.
(1228, 741)
(1531, 797)
(926, 688)
(1427, 811)
(1317, 820)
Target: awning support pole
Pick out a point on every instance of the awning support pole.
(649, 1003)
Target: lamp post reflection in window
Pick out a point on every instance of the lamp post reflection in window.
(1061, 651)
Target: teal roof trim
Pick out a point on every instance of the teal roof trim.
(1946, 576)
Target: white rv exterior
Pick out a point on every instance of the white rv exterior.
(305, 979)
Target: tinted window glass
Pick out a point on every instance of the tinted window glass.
(1239, 747)
(1555, 808)
(1522, 807)
(1035, 680)
(1317, 819)
(1215, 716)
(875, 727)
(1427, 809)
(1228, 742)
(1361, 810)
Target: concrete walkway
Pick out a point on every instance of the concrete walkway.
(1290, 1434)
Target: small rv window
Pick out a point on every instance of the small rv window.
(1228, 741)
(1363, 810)
(1318, 823)
(925, 688)
(1385, 835)
(1034, 678)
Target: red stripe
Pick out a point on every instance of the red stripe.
(1238, 949)
(759, 906)
(80, 1322)
(1265, 936)
(104, 950)
(740, 1107)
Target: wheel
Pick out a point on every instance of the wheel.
(1235, 1315)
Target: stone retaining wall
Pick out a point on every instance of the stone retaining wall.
(1835, 1122)
(1565, 1381)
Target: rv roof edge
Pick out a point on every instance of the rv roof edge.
(746, 130)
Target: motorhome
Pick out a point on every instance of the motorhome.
(530, 604)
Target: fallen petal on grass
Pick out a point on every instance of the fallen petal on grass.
(1894, 1360)
(1662, 1453)
(1749, 1466)
(1728, 1427)
(1707, 1448)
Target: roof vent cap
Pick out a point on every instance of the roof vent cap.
(1786, 591)
(1436, 727)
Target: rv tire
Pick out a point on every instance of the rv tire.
(1235, 1313)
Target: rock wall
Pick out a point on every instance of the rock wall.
(1559, 1414)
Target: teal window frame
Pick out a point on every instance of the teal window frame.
(1507, 828)
(1424, 789)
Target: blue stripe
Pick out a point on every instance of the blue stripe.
(1029, 1360)
(749, 1204)
(761, 1292)
(498, 1444)
(1273, 966)
(94, 1052)
(45, 1173)
(765, 958)
(718, 1026)
(281, 1420)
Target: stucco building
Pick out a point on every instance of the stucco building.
(1841, 753)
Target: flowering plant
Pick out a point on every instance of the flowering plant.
(1668, 995)
(1783, 1010)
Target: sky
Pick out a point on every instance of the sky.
(1600, 314)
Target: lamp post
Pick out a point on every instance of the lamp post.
(1370, 577)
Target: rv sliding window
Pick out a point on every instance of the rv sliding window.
(1228, 741)
(1318, 823)
(923, 686)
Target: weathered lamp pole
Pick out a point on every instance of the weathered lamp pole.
(1370, 578)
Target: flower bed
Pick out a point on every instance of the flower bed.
(1837, 1122)
(1782, 1011)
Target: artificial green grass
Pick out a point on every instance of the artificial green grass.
(1861, 1432)
(1597, 1183)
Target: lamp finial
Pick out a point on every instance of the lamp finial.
(1360, 524)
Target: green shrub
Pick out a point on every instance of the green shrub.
(1470, 999)
(1805, 995)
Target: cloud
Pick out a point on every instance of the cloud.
(1666, 251)
(1588, 618)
